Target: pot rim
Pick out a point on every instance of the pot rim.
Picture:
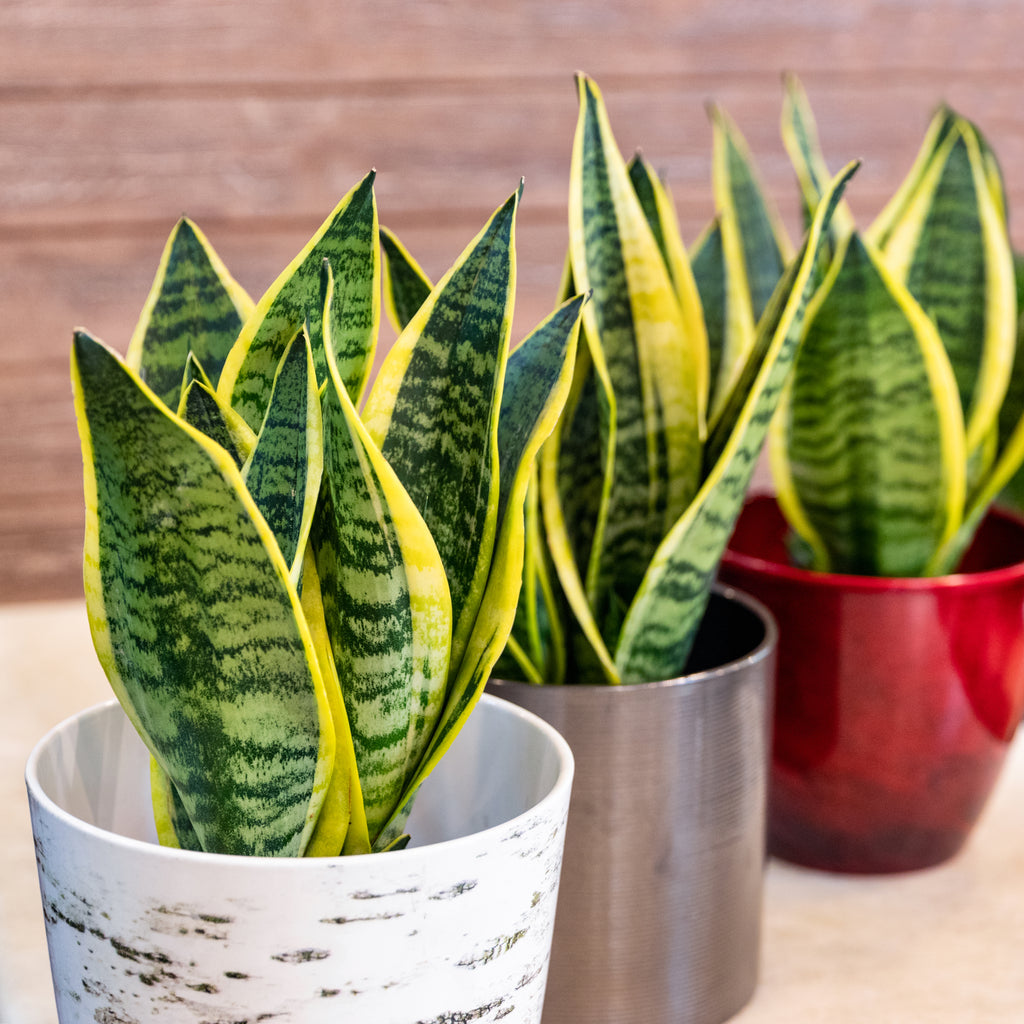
(966, 581)
(706, 677)
(557, 793)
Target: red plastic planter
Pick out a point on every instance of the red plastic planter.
(896, 699)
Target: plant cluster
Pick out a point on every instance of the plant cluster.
(681, 365)
(902, 421)
(298, 603)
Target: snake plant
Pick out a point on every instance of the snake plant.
(898, 428)
(298, 604)
(682, 364)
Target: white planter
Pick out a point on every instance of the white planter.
(455, 928)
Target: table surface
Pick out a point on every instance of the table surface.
(943, 945)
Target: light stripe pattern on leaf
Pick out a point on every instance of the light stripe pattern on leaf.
(175, 608)
(953, 253)
(874, 431)
(641, 349)
(194, 306)
(658, 631)
(283, 472)
(537, 380)
(406, 286)
(433, 410)
(386, 607)
(348, 241)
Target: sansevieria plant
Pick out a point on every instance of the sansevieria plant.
(683, 358)
(899, 426)
(298, 603)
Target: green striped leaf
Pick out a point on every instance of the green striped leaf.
(386, 607)
(873, 432)
(754, 247)
(1012, 410)
(537, 379)
(194, 306)
(284, 470)
(193, 372)
(951, 248)
(173, 827)
(536, 647)
(537, 383)
(898, 208)
(341, 827)
(800, 137)
(406, 286)
(433, 410)
(1003, 479)
(348, 241)
(199, 408)
(644, 357)
(660, 212)
(708, 261)
(203, 641)
(659, 629)
(576, 471)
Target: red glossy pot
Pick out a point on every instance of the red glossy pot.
(896, 699)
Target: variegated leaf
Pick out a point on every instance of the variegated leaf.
(576, 467)
(754, 247)
(800, 137)
(1011, 413)
(1004, 479)
(386, 606)
(348, 241)
(537, 378)
(193, 371)
(341, 826)
(707, 259)
(537, 646)
(173, 827)
(641, 349)
(283, 471)
(951, 248)
(406, 286)
(203, 642)
(659, 209)
(433, 410)
(874, 471)
(898, 208)
(200, 409)
(194, 306)
(659, 629)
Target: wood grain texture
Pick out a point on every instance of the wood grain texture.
(254, 118)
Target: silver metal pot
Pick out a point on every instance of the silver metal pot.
(659, 911)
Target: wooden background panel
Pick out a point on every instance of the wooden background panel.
(185, 43)
(126, 159)
(255, 117)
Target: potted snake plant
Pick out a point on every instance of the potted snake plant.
(660, 683)
(899, 593)
(297, 585)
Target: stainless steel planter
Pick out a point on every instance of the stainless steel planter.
(659, 912)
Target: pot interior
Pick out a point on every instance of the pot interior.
(730, 631)
(506, 761)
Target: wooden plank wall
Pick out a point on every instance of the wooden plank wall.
(255, 116)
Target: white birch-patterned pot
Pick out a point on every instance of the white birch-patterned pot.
(455, 928)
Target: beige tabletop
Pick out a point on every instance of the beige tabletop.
(945, 945)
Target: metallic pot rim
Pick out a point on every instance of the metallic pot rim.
(761, 652)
